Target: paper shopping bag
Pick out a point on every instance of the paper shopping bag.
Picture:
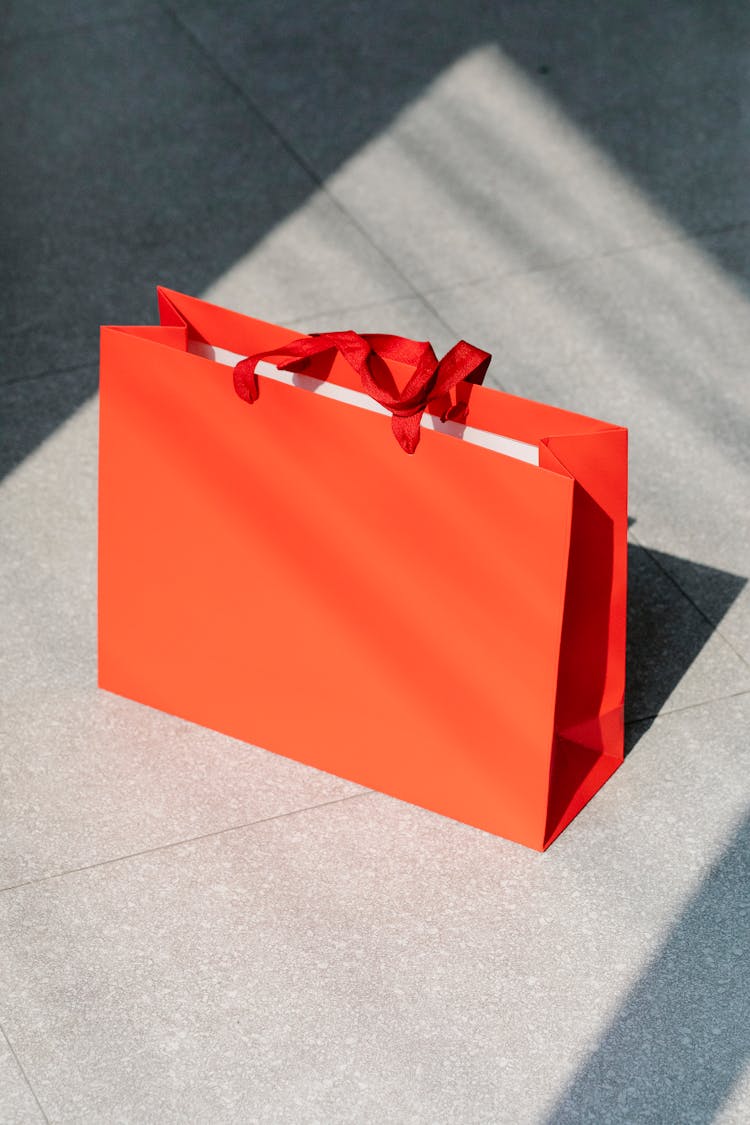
(445, 625)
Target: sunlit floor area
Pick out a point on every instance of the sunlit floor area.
(195, 930)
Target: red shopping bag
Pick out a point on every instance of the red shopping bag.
(447, 627)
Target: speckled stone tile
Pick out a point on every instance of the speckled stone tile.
(656, 340)
(483, 174)
(18, 1105)
(411, 317)
(312, 262)
(369, 961)
(86, 776)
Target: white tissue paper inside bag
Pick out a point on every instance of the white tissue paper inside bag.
(520, 450)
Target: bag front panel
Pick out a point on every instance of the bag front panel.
(286, 574)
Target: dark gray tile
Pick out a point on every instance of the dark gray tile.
(373, 962)
(690, 166)
(130, 162)
(332, 75)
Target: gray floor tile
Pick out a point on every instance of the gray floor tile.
(410, 317)
(656, 340)
(314, 261)
(17, 1103)
(130, 162)
(373, 962)
(88, 776)
(493, 137)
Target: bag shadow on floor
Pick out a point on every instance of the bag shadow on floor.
(666, 629)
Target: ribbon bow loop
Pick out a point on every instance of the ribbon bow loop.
(367, 355)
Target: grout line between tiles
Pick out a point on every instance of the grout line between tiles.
(234, 85)
(303, 163)
(686, 707)
(180, 843)
(282, 816)
(23, 1072)
(686, 237)
(344, 310)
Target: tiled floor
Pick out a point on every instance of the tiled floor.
(194, 930)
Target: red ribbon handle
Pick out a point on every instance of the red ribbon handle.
(367, 354)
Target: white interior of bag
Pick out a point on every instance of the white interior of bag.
(520, 450)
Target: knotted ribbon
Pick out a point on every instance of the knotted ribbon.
(367, 355)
